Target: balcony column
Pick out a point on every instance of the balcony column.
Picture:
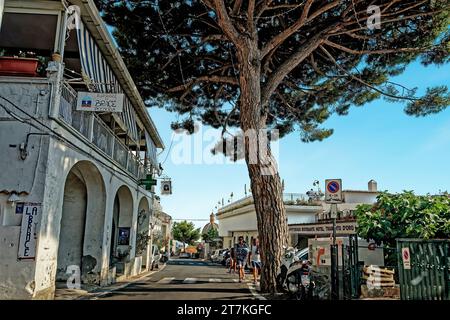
(91, 127)
(113, 128)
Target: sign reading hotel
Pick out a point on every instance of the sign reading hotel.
(31, 216)
(333, 190)
(324, 229)
(103, 102)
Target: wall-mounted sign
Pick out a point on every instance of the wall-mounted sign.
(31, 217)
(406, 257)
(166, 187)
(148, 182)
(104, 102)
(324, 229)
(124, 236)
(333, 190)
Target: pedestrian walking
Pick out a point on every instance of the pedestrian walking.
(232, 261)
(241, 257)
(255, 259)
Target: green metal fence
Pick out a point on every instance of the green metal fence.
(424, 269)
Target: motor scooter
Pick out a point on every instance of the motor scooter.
(288, 259)
(299, 281)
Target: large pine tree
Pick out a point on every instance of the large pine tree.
(284, 64)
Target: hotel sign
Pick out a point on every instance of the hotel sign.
(102, 102)
(31, 217)
(324, 229)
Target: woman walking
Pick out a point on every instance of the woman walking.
(255, 259)
(241, 257)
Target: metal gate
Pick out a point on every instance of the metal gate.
(345, 270)
(351, 273)
(424, 269)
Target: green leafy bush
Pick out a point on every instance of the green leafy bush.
(404, 215)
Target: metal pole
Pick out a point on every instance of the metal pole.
(333, 210)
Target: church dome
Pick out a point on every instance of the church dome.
(210, 225)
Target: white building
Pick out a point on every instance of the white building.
(305, 218)
(69, 180)
(239, 218)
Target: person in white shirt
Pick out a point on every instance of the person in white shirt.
(255, 259)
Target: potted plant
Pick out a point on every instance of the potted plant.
(20, 64)
(56, 56)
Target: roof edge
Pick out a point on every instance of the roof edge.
(106, 37)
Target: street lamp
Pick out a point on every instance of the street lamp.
(315, 195)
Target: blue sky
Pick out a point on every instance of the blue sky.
(377, 141)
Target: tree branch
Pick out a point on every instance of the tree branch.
(224, 21)
(379, 51)
(362, 81)
(219, 79)
(277, 40)
(292, 62)
(236, 7)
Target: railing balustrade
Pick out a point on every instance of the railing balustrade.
(101, 136)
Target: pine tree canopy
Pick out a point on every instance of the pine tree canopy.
(315, 57)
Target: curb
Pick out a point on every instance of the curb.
(94, 295)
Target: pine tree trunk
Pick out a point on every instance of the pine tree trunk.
(264, 177)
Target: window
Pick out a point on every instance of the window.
(29, 31)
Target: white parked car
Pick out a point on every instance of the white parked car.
(217, 255)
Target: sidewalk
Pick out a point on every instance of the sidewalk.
(93, 291)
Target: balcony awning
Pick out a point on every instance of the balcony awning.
(101, 78)
(151, 150)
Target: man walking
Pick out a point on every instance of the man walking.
(255, 259)
(241, 257)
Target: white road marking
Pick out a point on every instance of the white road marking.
(215, 280)
(190, 280)
(255, 293)
(166, 280)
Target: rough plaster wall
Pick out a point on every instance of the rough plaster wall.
(13, 133)
(59, 163)
(51, 169)
(95, 220)
(70, 249)
(17, 276)
(126, 207)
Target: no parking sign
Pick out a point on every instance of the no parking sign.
(406, 257)
(333, 190)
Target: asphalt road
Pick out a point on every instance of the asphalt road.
(186, 279)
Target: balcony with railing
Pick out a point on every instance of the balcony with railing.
(96, 131)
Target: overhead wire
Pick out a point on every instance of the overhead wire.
(59, 136)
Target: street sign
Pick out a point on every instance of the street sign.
(105, 102)
(31, 216)
(166, 187)
(406, 257)
(148, 182)
(333, 190)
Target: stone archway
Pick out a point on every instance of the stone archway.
(122, 224)
(82, 223)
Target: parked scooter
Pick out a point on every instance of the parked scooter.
(295, 276)
(299, 281)
(287, 260)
